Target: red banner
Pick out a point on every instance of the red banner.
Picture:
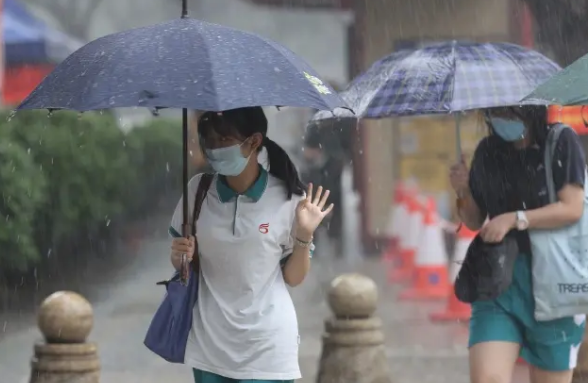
(329, 4)
(19, 81)
(574, 116)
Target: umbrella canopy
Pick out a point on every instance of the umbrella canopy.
(29, 41)
(568, 87)
(444, 78)
(184, 63)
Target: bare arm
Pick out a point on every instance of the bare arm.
(298, 264)
(568, 210)
(569, 169)
(469, 212)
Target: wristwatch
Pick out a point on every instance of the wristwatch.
(522, 222)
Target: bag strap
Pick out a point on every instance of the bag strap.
(201, 192)
(550, 146)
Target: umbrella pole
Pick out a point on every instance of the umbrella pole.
(458, 135)
(184, 9)
(458, 153)
(186, 226)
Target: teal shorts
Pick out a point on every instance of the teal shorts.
(208, 377)
(550, 346)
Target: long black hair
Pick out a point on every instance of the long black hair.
(245, 122)
(534, 117)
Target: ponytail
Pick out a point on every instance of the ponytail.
(281, 167)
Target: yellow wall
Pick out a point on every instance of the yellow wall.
(388, 21)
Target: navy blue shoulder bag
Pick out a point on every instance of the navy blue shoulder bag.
(168, 332)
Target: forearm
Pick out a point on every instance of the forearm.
(553, 216)
(469, 212)
(298, 264)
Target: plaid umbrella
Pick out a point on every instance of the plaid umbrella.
(444, 78)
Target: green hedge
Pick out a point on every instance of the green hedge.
(66, 177)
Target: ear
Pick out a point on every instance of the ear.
(256, 141)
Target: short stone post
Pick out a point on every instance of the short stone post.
(581, 370)
(353, 342)
(65, 320)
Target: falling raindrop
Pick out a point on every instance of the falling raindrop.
(167, 166)
(11, 115)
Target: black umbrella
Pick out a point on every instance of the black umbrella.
(184, 63)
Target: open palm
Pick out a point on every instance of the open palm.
(311, 210)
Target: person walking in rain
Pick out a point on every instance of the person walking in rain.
(507, 186)
(324, 153)
(255, 234)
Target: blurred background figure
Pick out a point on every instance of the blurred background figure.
(326, 153)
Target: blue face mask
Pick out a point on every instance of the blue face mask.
(508, 130)
(227, 161)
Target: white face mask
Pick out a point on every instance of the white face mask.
(227, 161)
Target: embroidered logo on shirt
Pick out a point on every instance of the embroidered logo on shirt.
(264, 228)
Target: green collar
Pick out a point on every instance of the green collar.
(226, 194)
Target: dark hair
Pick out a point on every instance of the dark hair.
(246, 122)
(534, 117)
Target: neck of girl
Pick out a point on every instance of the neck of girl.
(241, 183)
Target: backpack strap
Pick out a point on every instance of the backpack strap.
(550, 144)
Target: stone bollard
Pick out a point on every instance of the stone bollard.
(65, 319)
(353, 342)
(581, 370)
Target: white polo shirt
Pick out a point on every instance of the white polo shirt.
(244, 325)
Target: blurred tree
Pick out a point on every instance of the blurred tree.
(72, 15)
(562, 27)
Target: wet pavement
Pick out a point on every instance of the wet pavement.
(418, 350)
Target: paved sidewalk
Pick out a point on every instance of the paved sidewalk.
(418, 350)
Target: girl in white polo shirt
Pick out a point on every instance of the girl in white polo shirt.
(255, 234)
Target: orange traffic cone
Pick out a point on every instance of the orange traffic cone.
(402, 270)
(430, 274)
(457, 310)
(398, 217)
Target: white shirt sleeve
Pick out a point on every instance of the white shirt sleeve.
(175, 227)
